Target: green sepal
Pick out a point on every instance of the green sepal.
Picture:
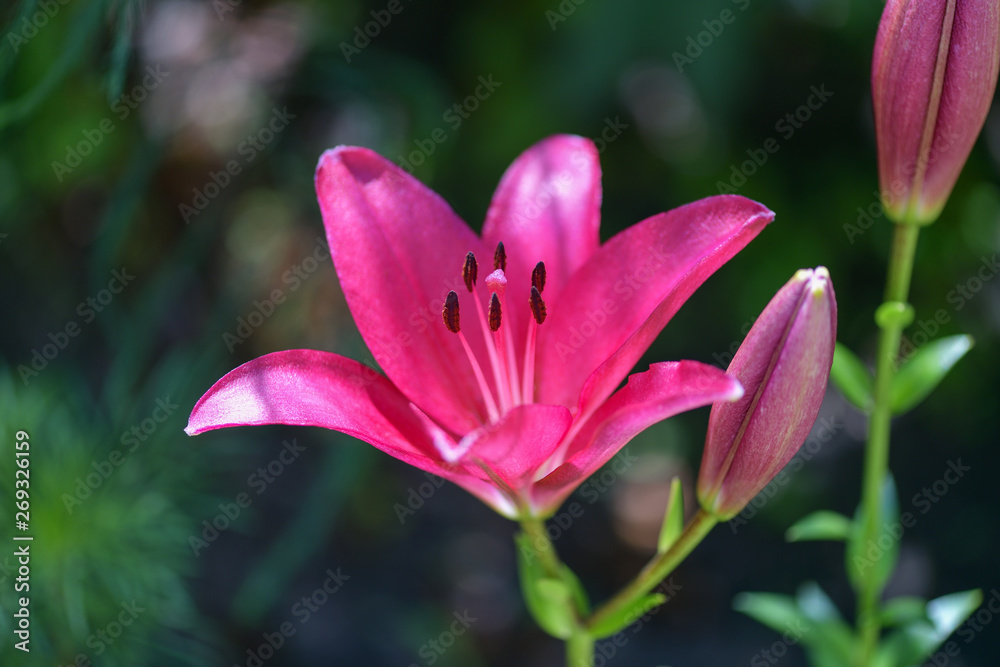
(550, 600)
(852, 377)
(914, 642)
(925, 370)
(617, 622)
(673, 518)
(883, 551)
(821, 525)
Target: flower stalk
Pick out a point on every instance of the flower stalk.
(877, 449)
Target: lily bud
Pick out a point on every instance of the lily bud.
(933, 75)
(783, 365)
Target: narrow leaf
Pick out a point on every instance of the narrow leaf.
(673, 519)
(925, 370)
(549, 600)
(913, 643)
(851, 377)
(880, 551)
(822, 525)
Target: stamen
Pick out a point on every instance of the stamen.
(470, 271)
(500, 257)
(494, 312)
(537, 305)
(450, 312)
(538, 311)
(538, 277)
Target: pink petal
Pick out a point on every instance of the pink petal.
(621, 299)
(398, 250)
(518, 444)
(547, 208)
(311, 388)
(666, 389)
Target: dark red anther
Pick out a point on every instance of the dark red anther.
(500, 258)
(470, 271)
(538, 277)
(494, 314)
(537, 305)
(450, 312)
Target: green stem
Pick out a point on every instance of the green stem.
(580, 645)
(897, 289)
(580, 650)
(657, 569)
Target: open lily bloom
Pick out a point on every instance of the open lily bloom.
(502, 383)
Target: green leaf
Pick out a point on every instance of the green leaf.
(673, 519)
(830, 636)
(822, 525)
(617, 622)
(903, 610)
(881, 551)
(578, 594)
(549, 600)
(913, 643)
(925, 370)
(810, 619)
(852, 377)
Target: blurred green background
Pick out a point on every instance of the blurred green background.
(135, 270)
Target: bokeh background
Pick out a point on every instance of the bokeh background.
(126, 275)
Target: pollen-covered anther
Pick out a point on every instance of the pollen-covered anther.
(537, 305)
(538, 277)
(500, 257)
(450, 312)
(470, 271)
(494, 314)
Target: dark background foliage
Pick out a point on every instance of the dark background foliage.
(92, 183)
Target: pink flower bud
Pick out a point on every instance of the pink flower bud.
(933, 75)
(783, 366)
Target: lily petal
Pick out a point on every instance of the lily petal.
(312, 388)
(518, 444)
(621, 299)
(398, 249)
(666, 389)
(547, 208)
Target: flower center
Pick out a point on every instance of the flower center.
(513, 385)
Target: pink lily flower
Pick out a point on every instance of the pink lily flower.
(933, 75)
(784, 364)
(504, 385)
